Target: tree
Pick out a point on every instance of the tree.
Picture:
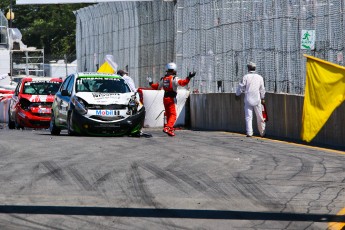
(51, 27)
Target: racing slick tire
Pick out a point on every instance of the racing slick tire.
(11, 124)
(54, 130)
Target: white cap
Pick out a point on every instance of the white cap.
(251, 64)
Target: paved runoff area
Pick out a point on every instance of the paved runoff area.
(195, 180)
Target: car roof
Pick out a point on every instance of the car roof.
(33, 79)
(95, 74)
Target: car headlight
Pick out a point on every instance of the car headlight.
(79, 105)
(132, 105)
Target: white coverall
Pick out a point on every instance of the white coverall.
(130, 82)
(252, 85)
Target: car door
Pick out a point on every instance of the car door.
(63, 97)
(14, 102)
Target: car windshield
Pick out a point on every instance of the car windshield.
(41, 88)
(102, 85)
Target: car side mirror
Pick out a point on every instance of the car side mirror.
(64, 92)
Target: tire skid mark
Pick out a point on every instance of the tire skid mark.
(139, 186)
(142, 192)
(305, 169)
(80, 179)
(212, 185)
(190, 181)
(101, 179)
(252, 190)
(54, 171)
(90, 224)
(34, 176)
(36, 224)
(202, 183)
(162, 174)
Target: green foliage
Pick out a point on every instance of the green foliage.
(51, 27)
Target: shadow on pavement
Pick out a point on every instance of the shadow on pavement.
(169, 213)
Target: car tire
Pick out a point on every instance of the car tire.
(18, 126)
(11, 124)
(69, 125)
(54, 130)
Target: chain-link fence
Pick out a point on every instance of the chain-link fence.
(3, 30)
(140, 36)
(3, 20)
(216, 38)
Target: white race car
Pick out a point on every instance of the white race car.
(97, 104)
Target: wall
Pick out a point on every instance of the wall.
(223, 112)
(60, 69)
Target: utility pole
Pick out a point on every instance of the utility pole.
(10, 16)
(11, 13)
(65, 56)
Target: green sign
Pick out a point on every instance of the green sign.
(308, 39)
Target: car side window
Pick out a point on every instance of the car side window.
(65, 83)
(70, 85)
(16, 92)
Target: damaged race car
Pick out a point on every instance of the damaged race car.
(97, 104)
(30, 104)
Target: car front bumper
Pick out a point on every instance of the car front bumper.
(131, 125)
(30, 120)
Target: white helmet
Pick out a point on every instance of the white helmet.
(170, 66)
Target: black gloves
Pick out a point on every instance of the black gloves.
(149, 79)
(191, 75)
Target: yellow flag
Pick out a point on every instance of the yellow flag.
(109, 65)
(324, 92)
(106, 68)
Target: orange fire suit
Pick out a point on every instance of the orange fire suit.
(170, 83)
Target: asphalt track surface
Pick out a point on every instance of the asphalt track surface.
(195, 180)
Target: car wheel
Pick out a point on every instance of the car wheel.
(18, 126)
(69, 125)
(11, 124)
(54, 130)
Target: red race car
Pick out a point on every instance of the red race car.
(30, 105)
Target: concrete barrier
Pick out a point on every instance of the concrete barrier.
(4, 105)
(153, 101)
(217, 111)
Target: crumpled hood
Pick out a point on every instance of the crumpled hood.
(38, 98)
(105, 98)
